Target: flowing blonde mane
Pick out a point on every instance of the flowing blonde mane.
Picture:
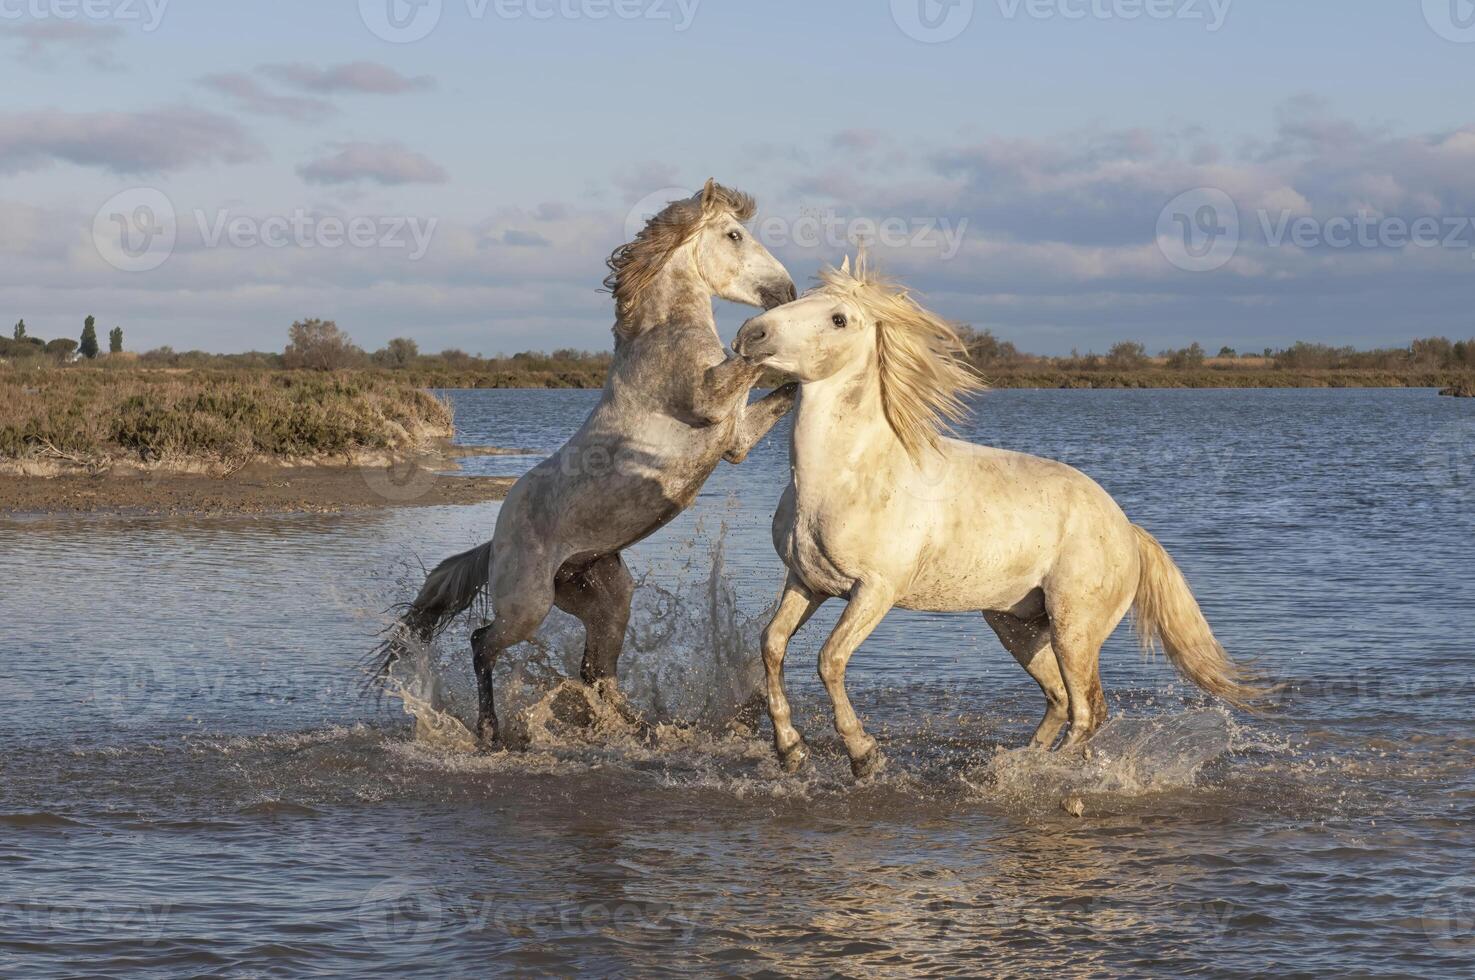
(635, 265)
(923, 375)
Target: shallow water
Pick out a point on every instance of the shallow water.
(191, 783)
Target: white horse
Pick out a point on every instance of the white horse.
(884, 511)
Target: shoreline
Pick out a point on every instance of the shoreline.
(260, 487)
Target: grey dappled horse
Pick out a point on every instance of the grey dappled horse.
(675, 403)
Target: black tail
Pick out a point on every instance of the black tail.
(449, 589)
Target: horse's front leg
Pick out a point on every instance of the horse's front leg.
(718, 390)
(795, 607)
(759, 417)
(869, 603)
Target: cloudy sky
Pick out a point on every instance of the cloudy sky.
(1066, 173)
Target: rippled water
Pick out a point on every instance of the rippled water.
(191, 783)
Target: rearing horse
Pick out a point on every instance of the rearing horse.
(883, 511)
(674, 404)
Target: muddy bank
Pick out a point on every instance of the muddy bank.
(257, 488)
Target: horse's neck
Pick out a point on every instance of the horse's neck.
(679, 295)
(840, 423)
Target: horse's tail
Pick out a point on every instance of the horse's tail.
(1165, 611)
(449, 589)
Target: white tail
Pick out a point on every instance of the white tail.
(1166, 612)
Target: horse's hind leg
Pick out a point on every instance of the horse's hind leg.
(1076, 636)
(599, 596)
(521, 599)
(1029, 641)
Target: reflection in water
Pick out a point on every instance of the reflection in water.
(191, 784)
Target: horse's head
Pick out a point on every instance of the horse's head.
(730, 258)
(706, 233)
(862, 323)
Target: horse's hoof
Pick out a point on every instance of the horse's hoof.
(488, 739)
(792, 759)
(869, 764)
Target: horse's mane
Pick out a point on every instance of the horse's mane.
(923, 378)
(635, 265)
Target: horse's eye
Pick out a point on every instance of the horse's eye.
(736, 236)
(839, 320)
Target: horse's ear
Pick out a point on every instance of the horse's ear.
(845, 265)
(709, 194)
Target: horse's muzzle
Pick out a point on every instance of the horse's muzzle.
(749, 343)
(778, 294)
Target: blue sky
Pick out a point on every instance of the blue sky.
(1036, 161)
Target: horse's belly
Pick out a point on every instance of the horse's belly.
(966, 572)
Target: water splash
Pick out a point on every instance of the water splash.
(1128, 756)
(690, 660)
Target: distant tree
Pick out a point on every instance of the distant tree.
(1127, 354)
(19, 333)
(1227, 351)
(398, 353)
(115, 340)
(61, 348)
(1268, 353)
(320, 346)
(984, 348)
(88, 346)
(1432, 351)
(1191, 356)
